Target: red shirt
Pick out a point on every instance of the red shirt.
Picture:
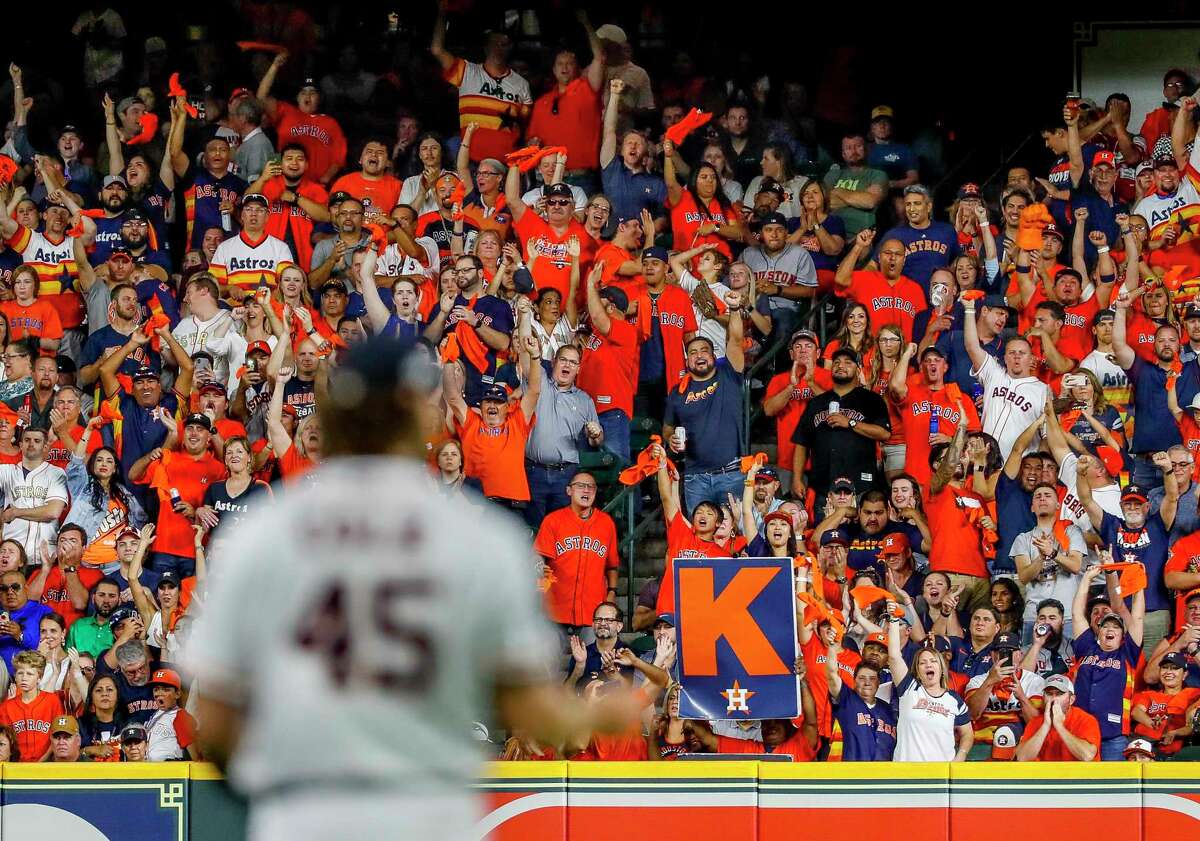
(686, 218)
(958, 545)
(552, 268)
(1139, 335)
(887, 304)
(191, 477)
(1078, 723)
(1075, 340)
(916, 411)
(579, 552)
(682, 542)
(1183, 556)
(613, 256)
(319, 134)
(786, 420)
(55, 594)
(816, 655)
(676, 318)
(382, 193)
(608, 371)
(290, 222)
(571, 118)
(1170, 708)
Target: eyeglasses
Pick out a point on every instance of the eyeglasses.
(15, 587)
(587, 486)
(1167, 85)
(606, 620)
(570, 363)
(86, 669)
(16, 356)
(1181, 464)
(488, 172)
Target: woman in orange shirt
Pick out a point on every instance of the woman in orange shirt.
(700, 212)
(29, 316)
(299, 456)
(855, 333)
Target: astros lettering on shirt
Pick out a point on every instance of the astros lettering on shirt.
(886, 303)
(1075, 340)
(243, 262)
(497, 105)
(925, 249)
(54, 263)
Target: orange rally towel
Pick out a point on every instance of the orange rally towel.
(1132, 576)
(865, 595)
(522, 154)
(110, 413)
(456, 199)
(153, 323)
(1034, 220)
(1174, 277)
(265, 46)
(462, 342)
(9, 414)
(988, 537)
(175, 89)
(646, 465)
(691, 121)
(749, 461)
(972, 295)
(532, 161)
(378, 237)
(8, 168)
(77, 228)
(820, 612)
(148, 132)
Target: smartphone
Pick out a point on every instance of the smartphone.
(252, 366)
(203, 364)
(1004, 659)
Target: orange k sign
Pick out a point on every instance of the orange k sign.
(727, 615)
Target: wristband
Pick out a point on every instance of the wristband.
(1108, 278)
(1102, 249)
(1022, 269)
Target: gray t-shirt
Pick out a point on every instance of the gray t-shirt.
(97, 300)
(793, 266)
(324, 248)
(1053, 581)
(252, 155)
(561, 415)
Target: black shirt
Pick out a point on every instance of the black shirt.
(232, 509)
(841, 452)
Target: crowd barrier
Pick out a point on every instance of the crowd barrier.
(665, 801)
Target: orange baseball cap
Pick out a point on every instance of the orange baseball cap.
(894, 544)
(878, 639)
(166, 677)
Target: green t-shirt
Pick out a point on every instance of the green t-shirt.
(89, 636)
(858, 178)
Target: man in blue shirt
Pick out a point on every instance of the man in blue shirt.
(21, 631)
(628, 185)
(928, 245)
(989, 322)
(708, 406)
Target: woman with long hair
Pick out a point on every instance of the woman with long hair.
(10, 751)
(933, 724)
(700, 212)
(420, 191)
(1086, 416)
(821, 233)
(718, 155)
(596, 215)
(701, 272)
(877, 373)
(1006, 599)
(255, 323)
(854, 333)
(778, 535)
(101, 504)
(240, 495)
(102, 721)
(779, 164)
(62, 672)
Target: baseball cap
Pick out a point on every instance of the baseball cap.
(665, 617)
(496, 393)
(932, 349)
(612, 32)
(841, 483)
(199, 419)
(1006, 641)
(1191, 594)
(881, 111)
(1104, 158)
(255, 198)
(875, 639)
(970, 190)
(1105, 314)
(777, 515)
(1112, 617)
(1052, 230)
(128, 102)
(1060, 682)
(69, 129)
(1191, 311)
(341, 196)
(656, 252)
(919, 189)
(1134, 492)
(559, 190)
(258, 347)
(120, 615)
(804, 333)
(213, 385)
(1140, 745)
(845, 351)
(145, 372)
(1111, 459)
(133, 733)
(616, 297)
(894, 544)
(238, 93)
(65, 724)
(120, 249)
(66, 365)
(115, 179)
(1005, 739)
(169, 577)
(770, 185)
(774, 219)
(995, 302)
(834, 536)
(135, 214)
(333, 286)
(166, 677)
(309, 84)
(1165, 160)
(766, 472)
(128, 531)
(1175, 659)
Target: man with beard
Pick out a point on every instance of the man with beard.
(333, 256)
(214, 191)
(1048, 557)
(130, 665)
(1156, 430)
(91, 634)
(599, 655)
(840, 428)
(296, 201)
(35, 407)
(302, 123)
(708, 405)
(378, 191)
(868, 529)
(1051, 652)
(928, 407)
(855, 190)
(243, 262)
(440, 225)
(1139, 536)
(928, 245)
(1105, 657)
(123, 315)
(782, 270)
(114, 201)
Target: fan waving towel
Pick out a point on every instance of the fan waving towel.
(693, 120)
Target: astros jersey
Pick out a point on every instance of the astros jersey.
(203, 199)
(1182, 206)
(499, 106)
(242, 262)
(887, 304)
(56, 269)
(383, 642)
(579, 552)
(1009, 404)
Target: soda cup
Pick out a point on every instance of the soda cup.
(933, 420)
(834, 407)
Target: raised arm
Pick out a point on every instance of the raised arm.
(1074, 146)
(377, 312)
(898, 383)
(531, 350)
(596, 311)
(112, 138)
(453, 379)
(674, 188)
(462, 163)
(1079, 621)
(845, 270)
(950, 458)
(437, 44)
(608, 142)
(268, 80)
(512, 193)
(1083, 490)
(975, 351)
(1122, 353)
(896, 664)
(668, 488)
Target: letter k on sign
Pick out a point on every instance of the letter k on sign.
(713, 616)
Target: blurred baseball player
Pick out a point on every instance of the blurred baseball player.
(345, 710)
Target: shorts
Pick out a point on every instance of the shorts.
(319, 815)
(893, 458)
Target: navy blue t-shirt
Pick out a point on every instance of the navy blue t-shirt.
(140, 433)
(108, 234)
(864, 548)
(966, 660)
(1148, 545)
(496, 314)
(1100, 679)
(652, 362)
(153, 293)
(711, 411)
(868, 733)
(1156, 428)
(407, 333)
(925, 249)
(106, 337)
(953, 346)
(896, 159)
(1013, 517)
(9, 260)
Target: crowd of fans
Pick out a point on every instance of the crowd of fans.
(986, 472)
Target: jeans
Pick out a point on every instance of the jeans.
(162, 562)
(615, 424)
(547, 490)
(1113, 750)
(711, 487)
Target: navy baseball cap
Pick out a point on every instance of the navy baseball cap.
(1191, 311)
(145, 372)
(170, 578)
(772, 186)
(332, 286)
(616, 297)
(804, 333)
(135, 214)
(834, 536)
(766, 472)
(1006, 641)
(1175, 659)
(559, 190)
(932, 349)
(120, 615)
(656, 252)
(1134, 492)
(199, 419)
(1165, 160)
(774, 219)
(996, 302)
(841, 483)
(133, 733)
(665, 617)
(845, 351)
(1107, 314)
(496, 393)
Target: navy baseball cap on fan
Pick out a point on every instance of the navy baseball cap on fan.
(170, 578)
(213, 385)
(995, 302)
(135, 214)
(310, 84)
(145, 373)
(773, 186)
(133, 733)
(1006, 641)
(1134, 492)
(120, 249)
(845, 351)
(120, 615)
(199, 419)
(656, 252)
(665, 618)
(843, 485)
(1191, 311)
(559, 190)
(1112, 617)
(774, 219)
(496, 393)
(932, 349)
(835, 536)
(339, 197)
(256, 198)
(1174, 659)
(1105, 315)
(616, 297)
(767, 473)
(970, 190)
(333, 286)
(523, 281)
(1053, 231)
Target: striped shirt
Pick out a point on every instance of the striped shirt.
(54, 263)
(241, 262)
(497, 105)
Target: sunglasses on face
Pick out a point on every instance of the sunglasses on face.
(15, 587)
(559, 202)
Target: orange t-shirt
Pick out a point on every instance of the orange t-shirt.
(787, 420)
(572, 119)
(687, 217)
(293, 465)
(103, 547)
(58, 454)
(1078, 723)
(613, 256)
(57, 597)
(39, 319)
(683, 543)
(552, 266)
(627, 746)
(191, 477)
(1075, 339)
(1183, 556)
(816, 655)
(916, 411)
(380, 194)
(31, 722)
(959, 544)
(886, 303)
(496, 457)
(579, 553)
(1170, 707)
(608, 371)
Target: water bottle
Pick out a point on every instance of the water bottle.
(226, 222)
(934, 414)
(175, 497)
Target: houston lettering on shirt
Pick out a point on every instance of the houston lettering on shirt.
(845, 411)
(555, 252)
(1096, 661)
(777, 276)
(581, 544)
(933, 706)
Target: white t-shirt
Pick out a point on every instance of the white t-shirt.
(1010, 404)
(414, 590)
(162, 743)
(218, 336)
(1053, 581)
(30, 489)
(1107, 497)
(562, 334)
(395, 263)
(926, 723)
